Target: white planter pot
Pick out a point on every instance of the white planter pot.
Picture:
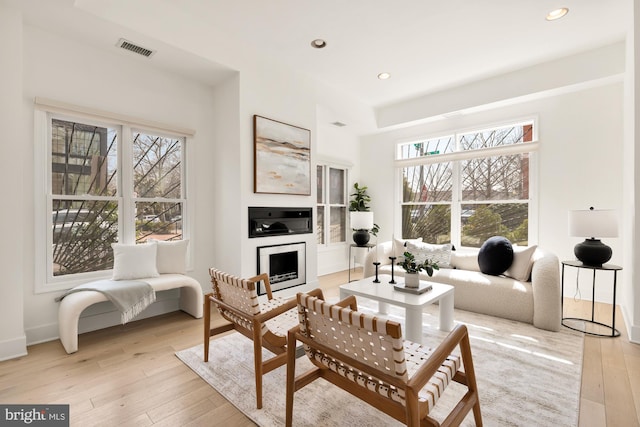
(411, 280)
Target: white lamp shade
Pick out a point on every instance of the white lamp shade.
(594, 223)
(361, 220)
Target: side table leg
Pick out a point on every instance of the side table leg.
(413, 324)
(446, 313)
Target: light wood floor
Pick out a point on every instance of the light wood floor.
(128, 375)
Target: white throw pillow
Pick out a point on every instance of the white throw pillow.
(172, 256)
(465, 260)
(440, 254)
(132, 262)
(522, 263)
(399, 246)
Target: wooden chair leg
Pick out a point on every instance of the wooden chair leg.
(257, 360)
(207, 326)
(291, 377)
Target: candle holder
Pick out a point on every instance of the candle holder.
(393, 261)
(377, 264)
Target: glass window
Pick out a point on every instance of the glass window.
(332, 199)
(88, 208)
(461, 194)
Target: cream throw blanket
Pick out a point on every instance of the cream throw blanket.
(129, 296)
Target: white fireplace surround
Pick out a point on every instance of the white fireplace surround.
(264, 265)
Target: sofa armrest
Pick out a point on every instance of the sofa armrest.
(382, 251)
(545, 281)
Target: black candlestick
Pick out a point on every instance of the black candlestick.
(377, 264)
(393, 261)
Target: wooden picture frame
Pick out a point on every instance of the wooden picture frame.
(281, 158)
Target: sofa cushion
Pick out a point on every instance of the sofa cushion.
(440, 254)
(495, 255)
(399, 246)
(465, 260)
(522, 263)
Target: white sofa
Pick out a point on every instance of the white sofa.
(536, 301)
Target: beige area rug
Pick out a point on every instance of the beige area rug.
(526, 377)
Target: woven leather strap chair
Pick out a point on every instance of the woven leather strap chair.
(367, 357)
(266, 324)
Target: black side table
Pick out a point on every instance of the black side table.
(603, 267)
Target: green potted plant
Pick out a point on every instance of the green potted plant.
(412, 269)
(361, 218)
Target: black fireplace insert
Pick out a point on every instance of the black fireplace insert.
(270, 221)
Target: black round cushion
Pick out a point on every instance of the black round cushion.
(495, 256)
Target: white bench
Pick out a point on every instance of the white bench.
(191, 301)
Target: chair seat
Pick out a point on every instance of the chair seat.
(281, 324)
(415, 355)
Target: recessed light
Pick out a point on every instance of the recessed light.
(318, 44)
(384, 76)
(557, 14)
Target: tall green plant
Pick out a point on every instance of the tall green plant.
(360, 199)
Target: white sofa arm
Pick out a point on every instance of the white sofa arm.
(545, 281)
(382, 251)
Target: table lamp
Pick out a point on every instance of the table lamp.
(593, 224)
(361, 223)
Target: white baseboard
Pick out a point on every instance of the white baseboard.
(632, 330)
(10, 349)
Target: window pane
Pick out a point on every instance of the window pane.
(83, 159)
(158, 220)
(157, 166)
(319, 184)
(431, 222)
(427, 183)
(337, 226)
(496, 137)
(320, 225)
(426, 148)
(82, 235)
(496, 178)
(337, 185)
(481, 221)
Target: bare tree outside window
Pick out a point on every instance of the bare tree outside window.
(493, 191)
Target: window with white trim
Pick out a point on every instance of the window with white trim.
(465, 187)
(103, 182)
(331, 218)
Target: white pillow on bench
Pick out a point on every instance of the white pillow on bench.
(132, 262)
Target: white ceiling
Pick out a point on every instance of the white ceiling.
(426, 45)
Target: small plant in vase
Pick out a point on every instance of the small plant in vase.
(412, 269)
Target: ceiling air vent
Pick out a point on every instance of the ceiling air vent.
(132, 47)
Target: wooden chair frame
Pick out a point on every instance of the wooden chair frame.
(251, 321)
(413, 412)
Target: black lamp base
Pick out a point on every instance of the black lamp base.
(592, 252)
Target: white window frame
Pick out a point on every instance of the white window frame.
(455, 157)
(45, 110)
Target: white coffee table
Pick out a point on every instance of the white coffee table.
(384, 293)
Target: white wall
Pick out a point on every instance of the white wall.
(579, 164)
(15, 200)
(69, 71)
(220, 158)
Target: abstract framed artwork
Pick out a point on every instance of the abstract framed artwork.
(281, 158)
